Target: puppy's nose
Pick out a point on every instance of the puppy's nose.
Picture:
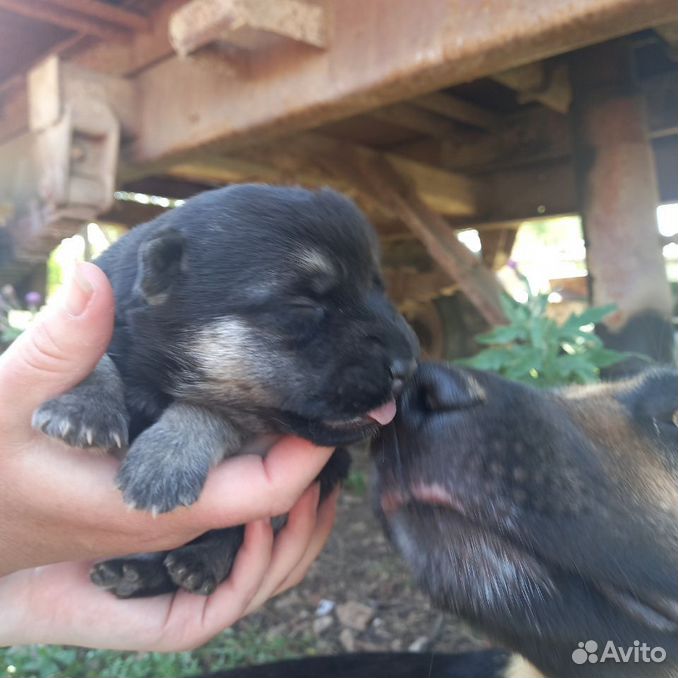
(401, 371)
(440, 389)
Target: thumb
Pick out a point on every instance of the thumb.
(58, 350)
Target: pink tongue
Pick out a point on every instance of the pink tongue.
(383, 414)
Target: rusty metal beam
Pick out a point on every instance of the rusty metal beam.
(617, 184)
(402, 50)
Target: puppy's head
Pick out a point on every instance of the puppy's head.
(270, 300)
(545, 518)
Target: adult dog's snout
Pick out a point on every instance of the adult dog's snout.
(433, 390)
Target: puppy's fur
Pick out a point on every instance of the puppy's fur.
(545, 518)
(250, 310)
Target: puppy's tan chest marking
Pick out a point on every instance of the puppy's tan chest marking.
(519, 667)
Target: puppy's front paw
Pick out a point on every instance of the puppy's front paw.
(159, 474)
(133, 577)
(82, 421)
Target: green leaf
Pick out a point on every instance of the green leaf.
(590, 316)
(538, 304)
(530, 359)
(604, 357)
(504, 334)
(514, 311)
(540, 328)
(492, 359)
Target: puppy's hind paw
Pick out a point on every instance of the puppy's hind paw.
(191, 571)
(82, 422)
(133, 577)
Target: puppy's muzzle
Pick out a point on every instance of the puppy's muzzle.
(401, 371)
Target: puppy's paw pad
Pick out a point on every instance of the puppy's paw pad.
(191, 572)
(121, 578)
(82, 422)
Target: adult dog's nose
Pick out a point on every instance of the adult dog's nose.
(401, 371)
(440, 389)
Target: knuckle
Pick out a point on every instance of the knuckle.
(283, 501)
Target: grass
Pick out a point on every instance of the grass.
(356, 483)
(229, 650)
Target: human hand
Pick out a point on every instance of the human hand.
(57, 604)
(60, 504)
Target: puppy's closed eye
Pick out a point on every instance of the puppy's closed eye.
(304, 315)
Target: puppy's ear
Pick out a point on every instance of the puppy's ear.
(161, 260)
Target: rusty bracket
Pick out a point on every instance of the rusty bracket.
(76, 121)
(247, 25)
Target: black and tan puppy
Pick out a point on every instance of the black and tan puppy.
(547, 519)
(250, 310)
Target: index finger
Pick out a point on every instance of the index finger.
(245, 488)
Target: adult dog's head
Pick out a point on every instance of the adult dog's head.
(269, 300)
(546, 518)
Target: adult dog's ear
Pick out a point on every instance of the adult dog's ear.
(161, 260)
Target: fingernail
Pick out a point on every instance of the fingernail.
(79, 292)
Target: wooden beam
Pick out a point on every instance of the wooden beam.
(105, 12)
(529, 192)
(406, 286)
(492, 198)
(246, 24)
(497, 244)
(58, 16)
(533, 135)
(458, 109)
(315, 159)
(418, 120)
(382, 51)
(143, 48)
(378, 176)
(546, 82)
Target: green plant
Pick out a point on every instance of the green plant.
(534, 349)
(231, 649)
(356, 483)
